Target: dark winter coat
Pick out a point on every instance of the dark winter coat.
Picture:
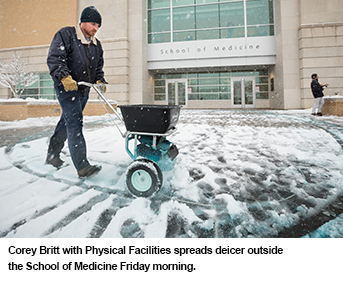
(70, 53)
(317, 89)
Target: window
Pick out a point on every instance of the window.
(205, 1)
(158, 4)
(207, 22)
(159, 26)
(262, 85)
(184, 20)
(207, 16)
(260, 18)
(160, 87)
(184, 24)
(43, 88)
(212, 86)
(177, 3)
(232, 19)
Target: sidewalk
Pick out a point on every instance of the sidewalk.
(239, 174)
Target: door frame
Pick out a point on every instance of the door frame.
(242, 79)
(176, 81)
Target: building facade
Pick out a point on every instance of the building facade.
(204, 54)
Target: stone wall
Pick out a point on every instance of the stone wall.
(20, 110)
(321, 52)
(320, 46)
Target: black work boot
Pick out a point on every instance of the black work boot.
(54, 161)
(89, 171)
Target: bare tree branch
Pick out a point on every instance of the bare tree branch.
(14, 75)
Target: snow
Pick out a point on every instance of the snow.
(239, 173)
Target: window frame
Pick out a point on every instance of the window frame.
(216, 31)
(37, 88)
(197, 81)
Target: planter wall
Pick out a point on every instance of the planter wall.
(19, 110)
(333, 106)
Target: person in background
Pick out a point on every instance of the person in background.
(75, 55)
(317, 91)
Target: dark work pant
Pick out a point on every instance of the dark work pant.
(70, 127)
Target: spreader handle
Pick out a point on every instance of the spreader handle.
(94, 86)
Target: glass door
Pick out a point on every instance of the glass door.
(243, 92)
(176, 92)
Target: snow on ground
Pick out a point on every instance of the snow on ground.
(239, 174)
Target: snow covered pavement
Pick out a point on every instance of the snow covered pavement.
(239, 174)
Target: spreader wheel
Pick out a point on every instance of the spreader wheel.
(143, 178)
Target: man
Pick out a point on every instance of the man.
(75, 55)
(317, 91)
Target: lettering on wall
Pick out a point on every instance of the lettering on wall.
(209, 49)
(229, 48)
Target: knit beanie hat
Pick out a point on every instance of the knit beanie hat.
(91, 15)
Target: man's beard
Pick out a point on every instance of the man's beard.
(88, 33)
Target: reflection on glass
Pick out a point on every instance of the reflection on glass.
(184, 36)
(209, 81)
(181, 93)
(248, 86)
(232, 32)
(260, 12)
(207, 34)
(47, 83)
(208, 19)
(237, 93)
(216, 86)
(159, 37)
(266, 30)
(158, 4)
(159, 20)
(171, 93)
(206, 1)
(232, 14)
(176, 93)
(183, 18)
(207, 16)
(243, 96)
(182, 2)
(176, 75)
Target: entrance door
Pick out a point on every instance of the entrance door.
(176, 92)
(243, 92)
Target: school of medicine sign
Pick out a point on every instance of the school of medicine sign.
(223, 52)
